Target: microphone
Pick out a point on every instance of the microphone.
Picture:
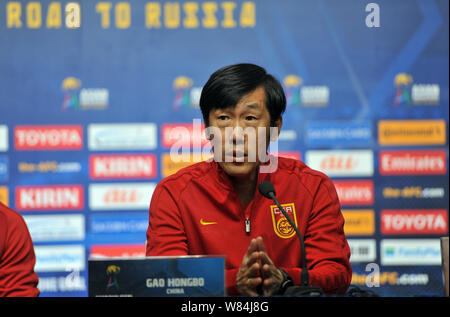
(304, 289)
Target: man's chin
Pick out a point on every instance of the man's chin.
(238, 169)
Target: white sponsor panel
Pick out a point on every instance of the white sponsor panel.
(44, 228)
(362, 250)
(3, 138)
(122, 136)
(410, 252)
(341, 163)
(126, 196)
(59, 258)
(73, 282)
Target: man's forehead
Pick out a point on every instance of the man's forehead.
(252, 106)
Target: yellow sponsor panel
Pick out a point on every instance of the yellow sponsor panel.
(411, 132)
(4, 195)
(171, 165)
(359, 222)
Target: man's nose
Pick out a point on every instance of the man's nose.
(238, 133)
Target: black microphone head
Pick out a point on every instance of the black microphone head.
(266, 188)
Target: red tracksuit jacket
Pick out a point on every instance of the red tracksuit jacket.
(17, 258)
(197, 211)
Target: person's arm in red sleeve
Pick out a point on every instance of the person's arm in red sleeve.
(327, 250)
(165, 233)
(17, 258)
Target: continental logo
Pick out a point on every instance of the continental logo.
(171, 165)
(359, 222)
(411, 132)
(4, 195)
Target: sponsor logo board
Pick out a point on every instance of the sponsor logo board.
(4, 144)
(340, 163)
(4, 195)
(125, 196)
(122, 136)
(183, 134)
(413, 162)
(413, 192)
(48, 137)
(59, 258)
(359, 222)
(355, 192)
(170, 164)
(411, 132)
(119, 224)
(120, 250)
(55, 197)
(332, 133)
(419, 221)
(362, 250)
(410, 252)
(67, 227)
(49, 167)
(3, 169)
(116, 166)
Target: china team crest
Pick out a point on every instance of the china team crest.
(281, 225)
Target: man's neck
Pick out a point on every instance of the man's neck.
(246, 187)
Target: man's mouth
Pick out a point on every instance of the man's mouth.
(235, 156)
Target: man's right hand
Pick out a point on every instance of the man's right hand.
(248, 278)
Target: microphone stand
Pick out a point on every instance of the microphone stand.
(304, 289)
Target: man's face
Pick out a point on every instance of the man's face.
(239, 153)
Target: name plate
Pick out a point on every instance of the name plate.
(157, 276)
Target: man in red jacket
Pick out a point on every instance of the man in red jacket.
(214, 207)
(17, 259)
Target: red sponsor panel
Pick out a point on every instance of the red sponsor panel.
(183, 134)
(48, 137)
(55, 197)
(122, 166)
(415, 221)
(413, 162)
(121, 250)
(355, 192)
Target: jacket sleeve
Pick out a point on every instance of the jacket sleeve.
(17, 259)
(165, 233)
(327, 249)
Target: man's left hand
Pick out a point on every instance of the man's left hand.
(272, 277)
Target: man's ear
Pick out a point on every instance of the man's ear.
(277, 124)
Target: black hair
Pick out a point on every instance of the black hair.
(229, 84)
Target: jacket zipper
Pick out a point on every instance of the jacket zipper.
(247, 225)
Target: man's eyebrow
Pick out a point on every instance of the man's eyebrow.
(252, 106)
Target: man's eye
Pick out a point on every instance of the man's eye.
(250, 118)
(223, 117)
